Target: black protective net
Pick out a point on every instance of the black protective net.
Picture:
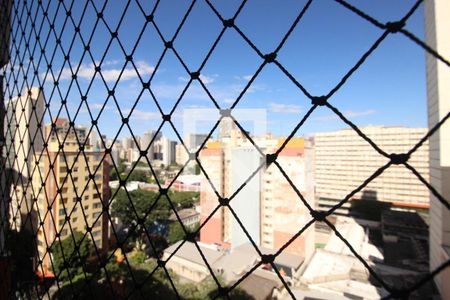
(47, 156)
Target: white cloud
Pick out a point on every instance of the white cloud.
(247, 77)
(173, 91)
(207, 79)
(229, 100)
(348, 114)
(87, 71)
(110, 62)
(285, 108)
(142, 115)
(95, 106)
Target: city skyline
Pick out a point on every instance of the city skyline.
(325, 177)
(362, 99)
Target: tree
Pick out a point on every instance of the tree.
(138, 175)
(176, 233)
(207, 289)
(197, 170)
(68, 261)
(184, 199)
(115, 175)
(138, 258)
(142, 201)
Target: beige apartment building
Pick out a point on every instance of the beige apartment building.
(268, 207)
(344, 160)
(437, 33)
(60, 199)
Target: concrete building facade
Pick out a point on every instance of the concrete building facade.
(343, 161)
(23, 139)
(437, 33)
(267, 205)
(60, 197)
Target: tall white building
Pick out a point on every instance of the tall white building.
(194, 140)
(267, 205)
(164, 150)
(146, 139)
(23, 133)
(344, 161)
(23, 139)
(437, 32)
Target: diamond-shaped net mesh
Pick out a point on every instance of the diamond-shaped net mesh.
(59, 51)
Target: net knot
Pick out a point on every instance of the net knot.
(319, 100)
(228, 23)
(267, 258)
(226, 113)
(168, 44)
(195, 75)
(269, 58)
(161, 263)
(224, 201)
(318, 215)
(271, 158)
(399, 159)
(192, 156)
(394, 27)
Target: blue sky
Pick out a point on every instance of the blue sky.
(389, 89)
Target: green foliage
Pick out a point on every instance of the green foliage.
(115, 175)
(159, 243)
(64, 252)
(157, 286)
(142, 201)
(89, 287)
(138, 258)
(176, 233)
(141, 164)
(207, 289)
(138, 175)
(184, 199)
(320, 245)
(116, 271)
(197, 170)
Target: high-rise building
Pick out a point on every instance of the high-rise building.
(23, 136)
(94, 139)
(129, 143)
(437, 32)
(267, 205)
(77, 187)
(344, 160)
(181, 156)
(194, 140)
(173, 152)
(23, 139)
(164, 151)
(146, 139)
